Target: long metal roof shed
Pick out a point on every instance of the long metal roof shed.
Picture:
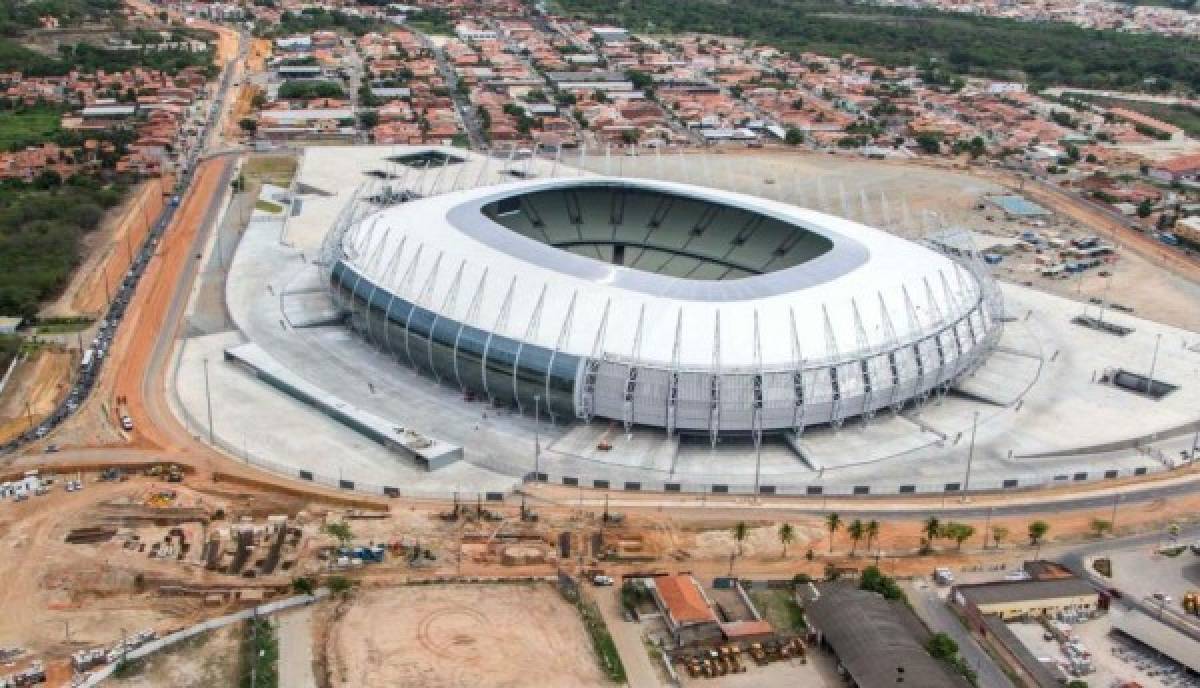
(1159, 636)
(875, 641)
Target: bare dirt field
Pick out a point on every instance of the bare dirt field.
(206, 661)
(462, 635)
(34, 390)
(108, 251)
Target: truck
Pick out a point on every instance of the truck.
(85, 363)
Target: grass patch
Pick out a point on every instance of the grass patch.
(780, 609)
(1182, 116)
(268, 206)
(259, 655)
(602, 641)
(77, 325)
(31, 127)
(274, 169)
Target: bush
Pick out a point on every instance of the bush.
(307, 90)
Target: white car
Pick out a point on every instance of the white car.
(602, 581)
(127, 423)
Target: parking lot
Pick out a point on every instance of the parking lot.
(1144, 574)
(1117, 660)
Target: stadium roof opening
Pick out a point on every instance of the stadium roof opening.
(661, 232)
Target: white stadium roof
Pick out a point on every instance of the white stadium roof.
(446, 255)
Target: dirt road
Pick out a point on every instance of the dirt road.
(34, 391)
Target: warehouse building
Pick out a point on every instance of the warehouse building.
(877, 642)
(1012, 600)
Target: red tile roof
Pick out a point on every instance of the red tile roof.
(683, 599)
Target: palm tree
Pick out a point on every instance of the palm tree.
(932, 528)
(872, 532)
(857, 529)
(787, 535)
(832, 522)
(740, 530)
(998, 534)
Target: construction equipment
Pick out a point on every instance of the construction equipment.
(1191, 602)
(527, 515)
(604, 444)
(452, 516)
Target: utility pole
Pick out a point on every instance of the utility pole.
(254, 648)
(1112, 520)
(970, 456)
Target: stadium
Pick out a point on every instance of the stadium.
(658, 304)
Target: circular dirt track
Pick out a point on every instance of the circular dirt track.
(462, 636)
(452, 632)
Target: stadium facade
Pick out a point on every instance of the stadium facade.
(660, 304)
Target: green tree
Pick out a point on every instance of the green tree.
(976, 147)
(1037, 530)
(929, 143)
(248, 125)
(872, 532)
(856, 530)
(1145, 208)
(793, 137)
(999, 533)
(1100, 526)
(942, 646)
(302, 586)
(340, 531)
(959, 532)
(787, 535)
(832, 522)
(340, 585)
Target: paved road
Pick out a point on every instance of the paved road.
(933, 611)
(639, 671)
(295, 649)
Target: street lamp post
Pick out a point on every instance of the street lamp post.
(970, 456)
(208, 403)
(1153, 362)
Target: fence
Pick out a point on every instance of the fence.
(203, 627)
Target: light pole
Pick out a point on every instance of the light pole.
(537, 445)
(987, 527)
(208, 402)
(970, 456)
(1153, 362)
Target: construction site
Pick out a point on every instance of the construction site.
(507, 567)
